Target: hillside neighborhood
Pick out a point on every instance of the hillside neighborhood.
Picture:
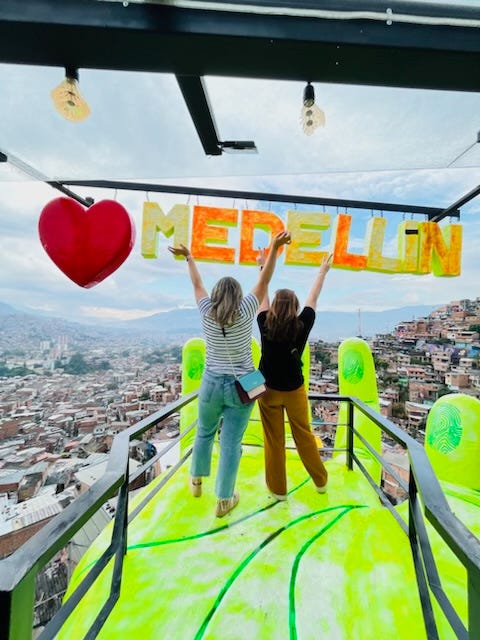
(60, 409)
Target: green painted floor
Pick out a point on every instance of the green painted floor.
(335, 566)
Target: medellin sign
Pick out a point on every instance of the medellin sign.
(422, 247)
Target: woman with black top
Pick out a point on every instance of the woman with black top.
(284, 334)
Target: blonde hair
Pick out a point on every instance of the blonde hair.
(226, 297)
(282, 323)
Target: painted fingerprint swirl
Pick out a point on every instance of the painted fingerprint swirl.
(353, 366)
(194, 364)
(445, 428)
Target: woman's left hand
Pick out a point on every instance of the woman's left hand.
(261, 257)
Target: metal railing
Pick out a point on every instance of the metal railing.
(423, 488)
(18, 571)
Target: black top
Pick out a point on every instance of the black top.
(282, 368)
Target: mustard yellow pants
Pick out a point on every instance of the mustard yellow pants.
(273, 406)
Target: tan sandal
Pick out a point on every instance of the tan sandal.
(225, 505)
(196, 487)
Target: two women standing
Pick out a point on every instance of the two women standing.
(227, 319)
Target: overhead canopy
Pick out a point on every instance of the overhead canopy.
(169, 82)
(404, 44)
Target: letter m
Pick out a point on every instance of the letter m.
(154, 221)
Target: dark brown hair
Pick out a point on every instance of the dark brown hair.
(282, 323)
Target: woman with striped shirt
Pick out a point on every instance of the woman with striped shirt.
(227, 319)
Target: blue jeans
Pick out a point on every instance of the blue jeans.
(218, 398)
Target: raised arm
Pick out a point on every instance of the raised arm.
(198, 288)
(317, 285)
(260, 290)
(265, 303)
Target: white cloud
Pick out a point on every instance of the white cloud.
(116, 314)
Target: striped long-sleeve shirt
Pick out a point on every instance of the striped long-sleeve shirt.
(237, 339)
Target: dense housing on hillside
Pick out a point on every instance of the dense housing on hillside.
(56, 428)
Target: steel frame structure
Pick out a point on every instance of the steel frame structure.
(399, 44)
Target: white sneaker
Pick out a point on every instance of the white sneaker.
(279, 496)
(322, 489)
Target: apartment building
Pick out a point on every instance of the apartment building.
(441, 360)
(457, 380)
(416, 414)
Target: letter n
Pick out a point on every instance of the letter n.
(440, 249)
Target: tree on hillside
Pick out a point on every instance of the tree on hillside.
(21, 371)
(321, 354)
(176, 353)
(154, 357)
(77, 365)
(403, 394)
(380, 363)
(443, 391)
(398, 410)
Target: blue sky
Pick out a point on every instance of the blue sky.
(391, 145)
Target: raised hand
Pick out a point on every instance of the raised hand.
(182, 250)
(282, 237)
(326, 263)
(261, 257)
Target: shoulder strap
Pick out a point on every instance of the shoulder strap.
(228, 353)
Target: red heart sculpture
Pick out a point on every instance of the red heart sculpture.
(86, 244)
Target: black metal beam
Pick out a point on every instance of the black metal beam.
(195, 95)
(372, 46)
(37, 175)
(431, 212)
(456, 205)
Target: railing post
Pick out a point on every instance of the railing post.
(125, 514)
(412, 499)
(473, 604)
(350, 436)
(17, 607)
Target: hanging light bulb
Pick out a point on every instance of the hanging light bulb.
(67, 99)
(311, 116)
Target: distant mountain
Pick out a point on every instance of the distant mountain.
(20, 328)
(6, 309)
(329, 325)
(335, 325)
(176, 321)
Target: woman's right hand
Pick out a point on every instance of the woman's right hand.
(282, 237)
(326, 263)
(260, 290)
